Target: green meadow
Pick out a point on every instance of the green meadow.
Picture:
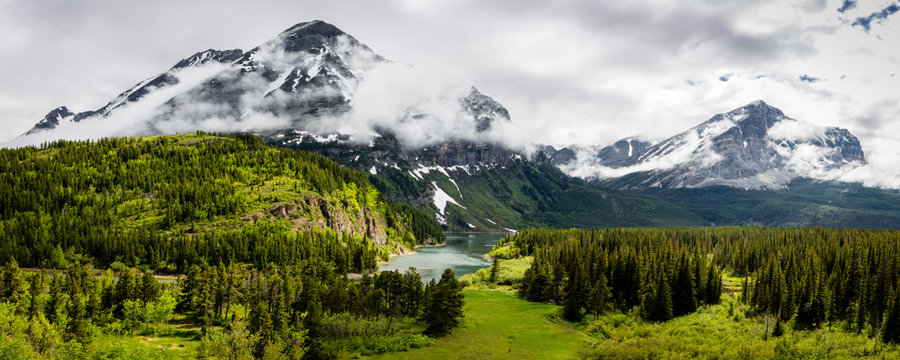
(499, 325)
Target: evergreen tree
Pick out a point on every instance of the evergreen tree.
(78, 322)
(495, 269)
(684, 296)
(57, 298)
(713, 287)
(890, 326)
(445, 304)
(187, 286)
(150, 288)
(415, 292)
(600, 298)
(660, 306)
(13, 286)
(35, 290)
(576, 293)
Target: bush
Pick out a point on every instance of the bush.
(384, 344)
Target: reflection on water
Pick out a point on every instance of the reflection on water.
(464, 253)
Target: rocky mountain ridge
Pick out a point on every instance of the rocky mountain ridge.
(755, 146)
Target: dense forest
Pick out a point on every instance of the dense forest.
(170, 201)
(291, 312)
(800, 277)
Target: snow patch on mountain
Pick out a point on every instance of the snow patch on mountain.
(441, 199)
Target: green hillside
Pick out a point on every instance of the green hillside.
(170, 201)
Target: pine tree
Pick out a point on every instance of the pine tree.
(76, 328)
(445, 304)
(187, 287)
(660, 307)
(600, 298)
(414, 292)
(56, 302)
(713, 287)
(576, 293)
(495, 269)
(13, 289)
(150, 288)
(890, 326)
(35, 291)
(684, 297)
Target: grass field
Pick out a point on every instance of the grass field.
(174, 341)
(498, 325)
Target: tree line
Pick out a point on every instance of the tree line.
(282, 311)
(591, 272)
(806, 277)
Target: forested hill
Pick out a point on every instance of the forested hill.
(171, 201)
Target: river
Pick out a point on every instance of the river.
(464, 253)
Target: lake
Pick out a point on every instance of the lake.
(464, 253)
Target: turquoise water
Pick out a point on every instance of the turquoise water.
(464, 253)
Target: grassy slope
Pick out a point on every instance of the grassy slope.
(498, 325)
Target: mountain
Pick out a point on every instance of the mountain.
(310, 74)
(309, 71)
(755, 146)
(309, 87)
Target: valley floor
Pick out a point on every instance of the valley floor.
(499, 325)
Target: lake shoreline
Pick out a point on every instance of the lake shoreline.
(463, 252)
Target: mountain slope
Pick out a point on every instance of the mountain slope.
(755, 146)
(483, 187)
(179, 200)
(309, 74)
(804, 202)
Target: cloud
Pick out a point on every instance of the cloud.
(795, 130)
(571, 72)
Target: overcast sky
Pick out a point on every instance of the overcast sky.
(570, 71)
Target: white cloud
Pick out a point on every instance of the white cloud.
(579, 71)
(796, 130)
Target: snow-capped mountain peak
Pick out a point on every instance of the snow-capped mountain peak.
(309, 71)
(754, 146)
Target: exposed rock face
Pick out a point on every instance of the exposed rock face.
(623, 152)
(484, 109)
(316, 212)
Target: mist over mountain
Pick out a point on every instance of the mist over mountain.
(433, 140)
(311, 77)
(755, 146)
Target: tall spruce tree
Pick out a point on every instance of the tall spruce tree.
(444, 308)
